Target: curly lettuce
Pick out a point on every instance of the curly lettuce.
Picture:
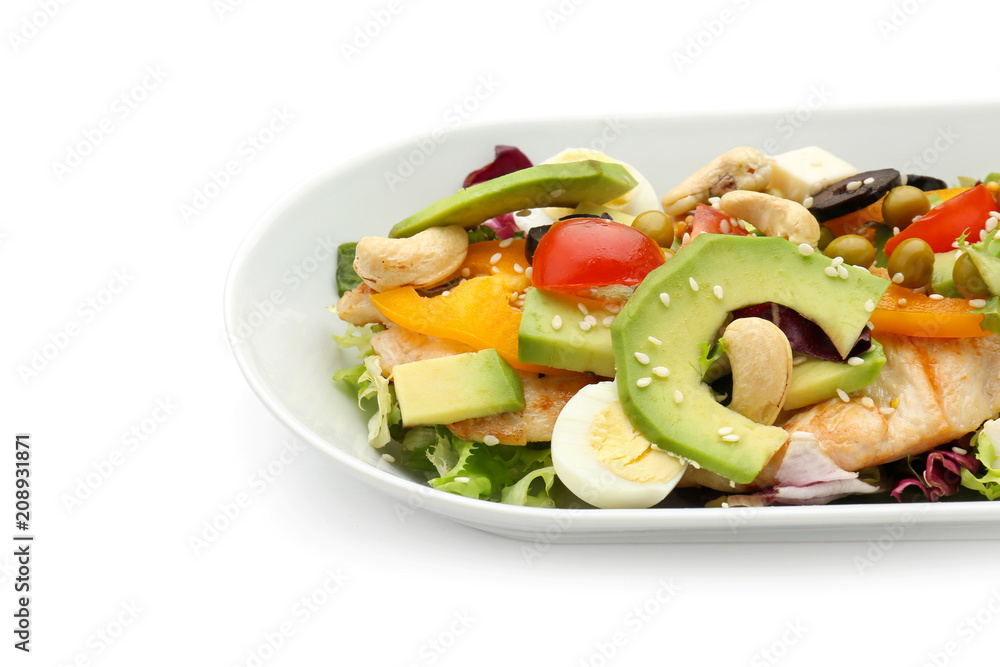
(366, 378)
(988, 483)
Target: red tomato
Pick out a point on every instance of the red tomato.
(591, 252)
(713, 221)
(964, 213)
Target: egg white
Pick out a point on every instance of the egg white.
(579, 467)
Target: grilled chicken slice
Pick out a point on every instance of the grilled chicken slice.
(357, 308)
(398, 345)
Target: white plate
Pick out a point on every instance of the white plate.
(282, 278)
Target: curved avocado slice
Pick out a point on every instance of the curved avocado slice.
(677, 307)
(565, 185)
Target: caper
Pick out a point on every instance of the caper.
(825, 236)
(902, 204)
(854, 249)
(912, 263)
(657, 225)
(968, 280)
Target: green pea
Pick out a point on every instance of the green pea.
(968, 281)
(854, 249)
(825, 236)
(657, 225)
(913, 260)
(902, 204)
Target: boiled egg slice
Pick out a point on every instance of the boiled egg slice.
(603, 460)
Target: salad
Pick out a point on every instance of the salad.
(782, 329)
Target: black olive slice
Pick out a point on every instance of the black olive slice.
(532, 238)
(853, 193)
(925, 183)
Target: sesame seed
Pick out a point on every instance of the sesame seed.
(495, 269)
(869, 180)
(388, 458)
(583, 308)
(843, 395)
(842, 272)
(693, 283)
(462, 480)
(585, 325)
(936, 297)
(518, 268)
(807, 202)
(903, 179)
(665, 299)
(654, 340)
(897, 278)
(870, 324)
(797, 361)
(491, 440)
(732, 484)
(591, 320)
(695, 465)
(686, 238)
(466, 272)
(959, 451)
(506, 243)
(643, 382)
(556, 322)
(901, 302)
(853, 186)
(726, 430)
(982, 234)
(717, 290)
(714, 201)
(855, 361)
(995, 215)
(731, 438)
(496, 258)
(977, 303)
(887, 411)
(678, 396)
(991, 224)
(837, 261)
(661, 371)
(868, 402)
(724, 227)
(607, 321)
(724, 505)
(805, 249)
(613, 307)
(954, 244)
(557, 193)
(831, 271)
(641, 358)
(527, 272)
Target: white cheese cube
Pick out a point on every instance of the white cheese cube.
(804, 172)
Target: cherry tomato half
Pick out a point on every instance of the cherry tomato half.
(591, 252)
(709, 220)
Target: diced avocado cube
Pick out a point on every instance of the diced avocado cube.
(535, 187)
(816, 380)
(457, 387)
(551, 333)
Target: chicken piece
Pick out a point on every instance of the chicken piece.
(398, 345)
(357, 308)
(940, 389)
(544, 398)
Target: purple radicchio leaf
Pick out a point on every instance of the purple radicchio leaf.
(508, 160)
(803, 335)
(942, 474)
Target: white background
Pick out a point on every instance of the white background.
(152, 354)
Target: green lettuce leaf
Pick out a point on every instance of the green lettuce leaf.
(503, 473)
(347, 277)
(988, 483)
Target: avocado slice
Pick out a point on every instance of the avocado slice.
(542, 185)
(668, 317)
(568, 345)
(942, 281)
(816, 380)
(457, 387)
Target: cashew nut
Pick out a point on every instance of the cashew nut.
(425, 259)
(772, 215)
(739, 169)
(762, 368)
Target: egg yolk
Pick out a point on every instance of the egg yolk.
(626, 452)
